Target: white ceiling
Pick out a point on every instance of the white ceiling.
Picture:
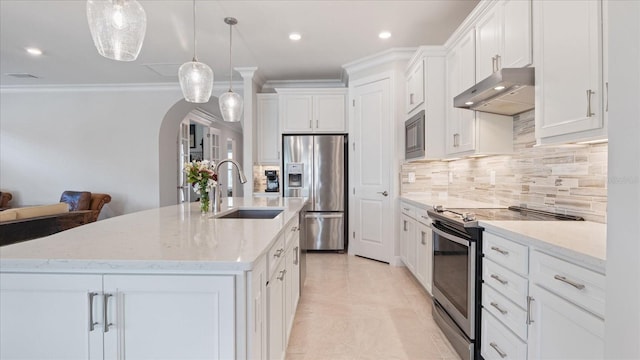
(333, 33)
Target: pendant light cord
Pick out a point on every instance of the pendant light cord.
(230, 68)
(195, 59)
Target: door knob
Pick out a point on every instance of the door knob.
(385, 193)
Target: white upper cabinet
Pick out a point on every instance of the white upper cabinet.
(425, 91)
(268, 139)
(313, 110)
(415, 86)
(570, 88)
(503, 37)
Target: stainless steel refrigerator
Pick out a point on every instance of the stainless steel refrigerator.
(314, 166)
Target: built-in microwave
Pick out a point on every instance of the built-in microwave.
(414, 146)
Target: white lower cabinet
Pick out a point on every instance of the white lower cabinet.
(283, 290)
(538, 306)
(561, 330)
(416, 243)
(146, 316)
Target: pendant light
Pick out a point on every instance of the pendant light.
(196, 78)
(117, 27)
(230, 102)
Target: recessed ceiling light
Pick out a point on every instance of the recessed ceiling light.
(469, 103)
(499, 88)
(384, 35)
(34, 51)
(295, 36)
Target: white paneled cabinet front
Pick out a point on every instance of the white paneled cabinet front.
(570, 89)
(268, 136)
(416, 243)
(415, 86)
(117, 316)
(283, 290)
(561, 330)
(503, 37)
(424, 260)
(313, 110)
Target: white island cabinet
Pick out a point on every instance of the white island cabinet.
(168, 283)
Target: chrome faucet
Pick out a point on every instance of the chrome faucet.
(217, 194)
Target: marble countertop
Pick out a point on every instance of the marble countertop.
(174, 238)
(448, 202)
(584, 242)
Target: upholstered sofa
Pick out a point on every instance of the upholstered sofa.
(75, 208)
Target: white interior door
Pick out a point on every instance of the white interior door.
(371, 160)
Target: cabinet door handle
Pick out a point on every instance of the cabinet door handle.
(498, 62)
(404, 226)
(278, 253)
(422, 240)
(105, 312)
(297, 258)
(502, 311)
(92, 323)
(572, 283)
(317, 123)
(503, 252)
(499, 279)
(411, 99)
(493, 64)
(589, 93)
(529, 301)
(497, 349)
(281, 277)
(310, 124)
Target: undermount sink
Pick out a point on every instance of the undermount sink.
(250, 214)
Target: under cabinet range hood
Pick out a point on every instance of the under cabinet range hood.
(508, 91)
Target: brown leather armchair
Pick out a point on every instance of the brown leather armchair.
(5, 197)
(84, 200)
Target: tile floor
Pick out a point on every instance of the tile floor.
(355, 308)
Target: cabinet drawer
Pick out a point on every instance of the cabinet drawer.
(422, 216)
(498, 342)
(291, 232)
(506, 282)
(507, 312)
(580, 286)
(408, 210)
(507, 253)
(276, 254)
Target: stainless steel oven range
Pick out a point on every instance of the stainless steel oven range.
(457, 269)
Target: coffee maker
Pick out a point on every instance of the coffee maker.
(272, 181)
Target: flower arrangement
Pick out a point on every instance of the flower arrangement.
(203, 178)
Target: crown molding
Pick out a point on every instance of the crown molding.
(469, 22)
(302, 84)
(218, 87)
(384, 57)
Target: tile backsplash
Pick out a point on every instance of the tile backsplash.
(570, 179)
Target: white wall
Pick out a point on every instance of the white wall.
(622, 331)
(98, 140)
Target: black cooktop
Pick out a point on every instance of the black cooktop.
(470, 217)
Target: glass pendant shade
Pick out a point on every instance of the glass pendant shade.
(117, 27)
(231, 106)
(196, 81)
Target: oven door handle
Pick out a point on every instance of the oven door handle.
(451, 237)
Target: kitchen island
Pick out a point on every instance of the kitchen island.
(161, 283)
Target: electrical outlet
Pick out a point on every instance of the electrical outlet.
(412, 177)
(492, 177)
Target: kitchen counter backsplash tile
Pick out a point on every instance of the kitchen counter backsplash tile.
(569, 179)
(259, 180)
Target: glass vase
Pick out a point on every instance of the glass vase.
(204, 201)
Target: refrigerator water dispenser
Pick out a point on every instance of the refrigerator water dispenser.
(295, 171)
